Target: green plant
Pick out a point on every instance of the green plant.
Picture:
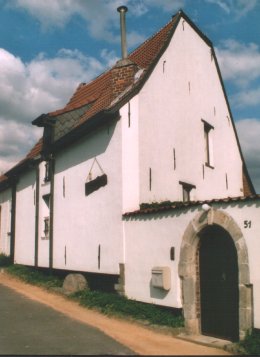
(35, 276)
(251, 343)
(112, 304)
(5, 260)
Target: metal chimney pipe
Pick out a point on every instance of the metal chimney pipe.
(122, 10)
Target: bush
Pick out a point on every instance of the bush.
(112, 304)
(251, 343)
(40, 277)
(5, 260)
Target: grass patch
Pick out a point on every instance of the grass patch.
(251, 343)
(112, 304)
(34, 276)
(5, 260)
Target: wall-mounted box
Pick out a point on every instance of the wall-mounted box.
(161, 278)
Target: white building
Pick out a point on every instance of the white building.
(116, 186)
(5, 215)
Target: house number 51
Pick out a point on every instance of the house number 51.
(247, 224)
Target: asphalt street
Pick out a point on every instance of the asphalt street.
(30, 328)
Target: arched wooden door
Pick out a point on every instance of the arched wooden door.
(218, 284)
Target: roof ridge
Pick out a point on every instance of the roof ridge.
(152, 36)
(85, 86)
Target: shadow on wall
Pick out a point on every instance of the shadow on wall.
(157, 293)
(95, 144)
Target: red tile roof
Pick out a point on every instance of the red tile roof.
(170, 206)
(36, 150)
(99, 93)
(32, 154)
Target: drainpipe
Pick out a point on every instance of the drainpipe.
(37, 174)
(122, 10)
(13, 216)
(52, 171)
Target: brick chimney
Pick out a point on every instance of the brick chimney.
(124, 71)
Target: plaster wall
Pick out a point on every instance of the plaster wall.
(87, 231)
(44, 212)
(25, 219)
(130, 155)
(150, 237)
(183, 89)
(5, 220)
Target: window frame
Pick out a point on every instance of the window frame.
(208, 131)
(186, 189)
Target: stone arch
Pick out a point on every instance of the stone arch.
(188, 265)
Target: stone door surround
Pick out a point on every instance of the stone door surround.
(187, 269)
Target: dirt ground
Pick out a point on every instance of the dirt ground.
(136, 337)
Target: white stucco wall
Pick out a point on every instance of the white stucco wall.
(148, 243)
(43, 242)
(5, 220)
(183, 89)
(150, 237)
(130, 155)
(83, 223)
(25, 219)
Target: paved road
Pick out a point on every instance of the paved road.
(30, 328)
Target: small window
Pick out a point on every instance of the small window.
(186, 189)
(208, 143)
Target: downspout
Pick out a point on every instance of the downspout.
(52, 171)
(13, 216)
(37, 174)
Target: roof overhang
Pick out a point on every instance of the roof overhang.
(97, 121)
(154, 208)
(43, 120)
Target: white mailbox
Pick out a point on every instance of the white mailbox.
(161, 278)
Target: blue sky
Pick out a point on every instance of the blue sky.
(47, 47)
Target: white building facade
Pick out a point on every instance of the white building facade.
(116, 186)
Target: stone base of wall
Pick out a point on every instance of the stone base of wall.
(120, 286)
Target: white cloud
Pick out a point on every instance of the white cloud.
(42, 84)
(165, 5)
(101, 17)
(30, 89)
(48, 12)
(248, 98)
(249, 134)
(239, 62)
(222, 4)
(16, 139)
(236, 8)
